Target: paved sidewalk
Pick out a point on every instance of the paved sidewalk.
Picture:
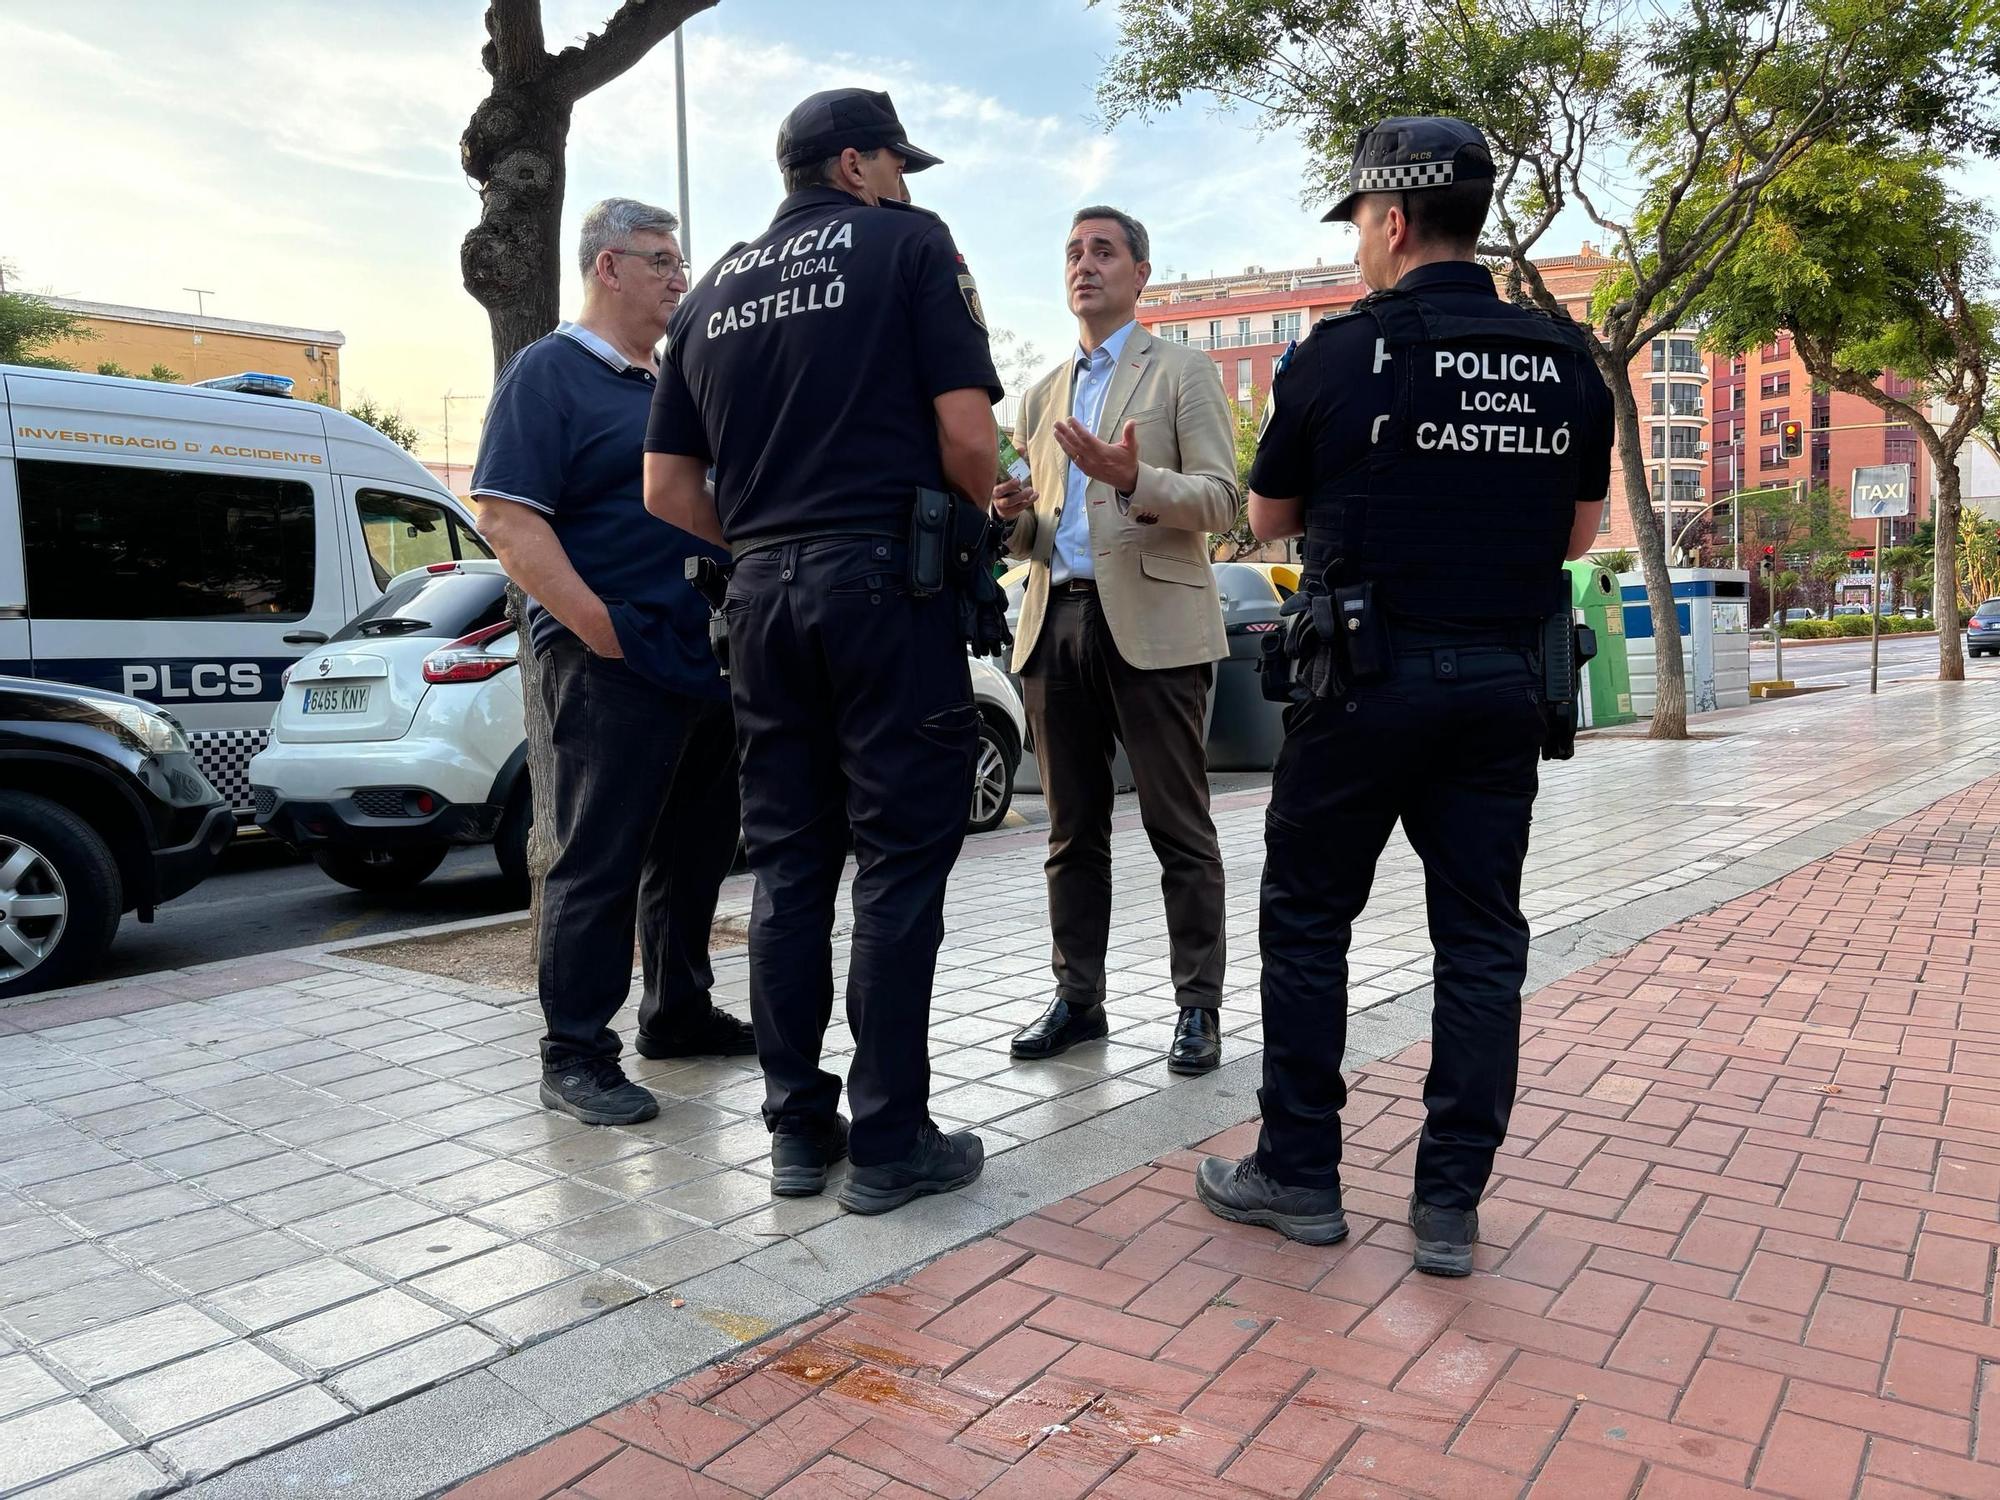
(1742, 1237)
(304, 1194)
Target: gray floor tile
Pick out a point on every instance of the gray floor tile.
(717, 1199)
(577, 1153)
(128, 1476)
(212, 1155)
(427, 1247)
(304, 1200)
(265, 1176)
(438, 1159)
(355, 1330)
(478, 1186)
(389, 1377)
(24, 1383)
(370, 1219)
(179, 1236)
(121, 1349)
(191, 1389)
(230, 1439)
(734, 1146)
(90, 1305)
(683, 1259)
(614, 1234)
(155, 1205)
(40, 1233)
(561, 1306)
(642, 1176)
(51, 1439)
(372, 1144)
(545, 1207)
(281, 1296)
(92, 1187)
(238, 1260)
(498, 1276)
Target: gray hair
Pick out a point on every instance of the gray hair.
(1136, 238)
(609, 224)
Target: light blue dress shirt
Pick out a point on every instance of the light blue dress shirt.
(1071, 557)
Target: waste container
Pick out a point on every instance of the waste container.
(1245, 730)
(1713, 605)
(1607, 680)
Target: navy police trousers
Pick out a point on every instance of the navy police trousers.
(1449, 743)
(853, 713)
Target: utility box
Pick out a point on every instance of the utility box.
(1607, 680)
(1713, 610)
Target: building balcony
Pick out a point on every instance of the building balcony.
(1242, 340)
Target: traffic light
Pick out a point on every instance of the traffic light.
(1793, 438)
(1765, 563)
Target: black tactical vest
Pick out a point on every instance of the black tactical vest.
(1463, 505)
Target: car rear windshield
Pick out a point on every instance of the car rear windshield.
(448, 605)
(1990, 610)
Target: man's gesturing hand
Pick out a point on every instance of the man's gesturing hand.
(1011, 497)
(1117, 464)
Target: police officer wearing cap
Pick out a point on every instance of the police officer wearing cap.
(1442, 451)
(836, 375)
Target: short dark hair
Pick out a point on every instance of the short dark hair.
(1450, 216)
(1136, 238)
(812, 174)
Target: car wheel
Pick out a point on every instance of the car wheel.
(510, 844)
(60, 895)
(992, 778)
(380, 869)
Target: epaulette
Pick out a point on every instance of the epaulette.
(910, 208)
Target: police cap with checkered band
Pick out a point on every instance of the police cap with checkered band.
(1410, 152)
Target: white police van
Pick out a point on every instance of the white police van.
(186, 544)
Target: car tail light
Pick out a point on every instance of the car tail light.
(450, 567)
(467, 659)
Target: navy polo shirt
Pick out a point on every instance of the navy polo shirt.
(804, 366)
(565, 434)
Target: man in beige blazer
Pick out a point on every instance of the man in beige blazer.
(1132, 462)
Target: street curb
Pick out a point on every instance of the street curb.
(518, 1402)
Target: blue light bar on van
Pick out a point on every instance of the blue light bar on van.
(252, 383)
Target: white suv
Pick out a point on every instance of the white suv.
(404, 735)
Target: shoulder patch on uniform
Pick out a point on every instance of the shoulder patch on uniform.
(970, 292)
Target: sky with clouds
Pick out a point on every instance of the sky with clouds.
(301, 158)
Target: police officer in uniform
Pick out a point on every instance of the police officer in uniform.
(834, 372)
(1443, 452)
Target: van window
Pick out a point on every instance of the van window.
(105, 542)
(404, 533)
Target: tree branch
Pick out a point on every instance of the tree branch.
(637, 28)
(514, 53)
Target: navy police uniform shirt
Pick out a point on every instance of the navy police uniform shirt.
(804, 365)
(564, 435)
(1325, 402)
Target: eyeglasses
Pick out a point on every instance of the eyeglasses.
(665, 266)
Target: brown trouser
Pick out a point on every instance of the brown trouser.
(1084, 699)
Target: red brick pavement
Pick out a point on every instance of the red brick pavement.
(1742, 1237)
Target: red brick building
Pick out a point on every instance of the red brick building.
(1711, 424)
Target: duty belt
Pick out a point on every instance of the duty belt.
(891, 530)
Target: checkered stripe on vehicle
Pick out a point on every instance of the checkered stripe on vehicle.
(1416, 174)
(224, 758)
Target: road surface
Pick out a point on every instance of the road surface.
(1845, 663)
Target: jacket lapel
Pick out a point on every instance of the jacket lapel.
(1132, 365)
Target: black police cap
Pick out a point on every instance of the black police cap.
(1409, 152)
(827, 123)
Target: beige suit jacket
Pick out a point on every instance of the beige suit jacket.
(1154, 582)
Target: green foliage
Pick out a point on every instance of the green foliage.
(1616, 559)
(1239, 539)
(1815, 520)
(1843, 627)
(161, 373)
(29, 325)
(391, 424)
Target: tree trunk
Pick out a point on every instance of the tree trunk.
(1951, 644)
(1670, 681)
(512, 258)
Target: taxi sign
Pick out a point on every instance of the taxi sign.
(1880, 491)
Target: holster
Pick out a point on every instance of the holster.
(955, 543)
(711, 580)
(1305, 659)
(1566, 646)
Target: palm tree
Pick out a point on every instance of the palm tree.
(1828, 571)
(1616, 560)
(1899, 563)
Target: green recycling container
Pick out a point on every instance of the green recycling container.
(1607, 681)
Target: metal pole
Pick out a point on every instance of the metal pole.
(447, 439)
(1875, 614)
(1735, 505)
(1777, 631)
(681, 133)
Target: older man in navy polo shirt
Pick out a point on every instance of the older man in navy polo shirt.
(645, 792)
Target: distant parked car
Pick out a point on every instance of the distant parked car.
(1982, 630)
(105, 811)
(1850, 609)
(1794, 615)
(405, 734)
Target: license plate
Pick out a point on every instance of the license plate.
(336, 700)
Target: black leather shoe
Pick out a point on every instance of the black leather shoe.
(597, 1092)
(801, 1153)
(1061, 1027)
(717, 1034)
(1239, 1191)
(1445, 1237)
(937, 1163)
(1197, 1045)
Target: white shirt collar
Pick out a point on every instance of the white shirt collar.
(1113, 347)
(597, 345)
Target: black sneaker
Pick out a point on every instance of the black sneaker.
(717, 1034)
(1445, 1237)
(597, 1092)
(938, 1163)
(1239, 1191)
(801, 1153)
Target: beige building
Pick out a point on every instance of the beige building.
(196, 348)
